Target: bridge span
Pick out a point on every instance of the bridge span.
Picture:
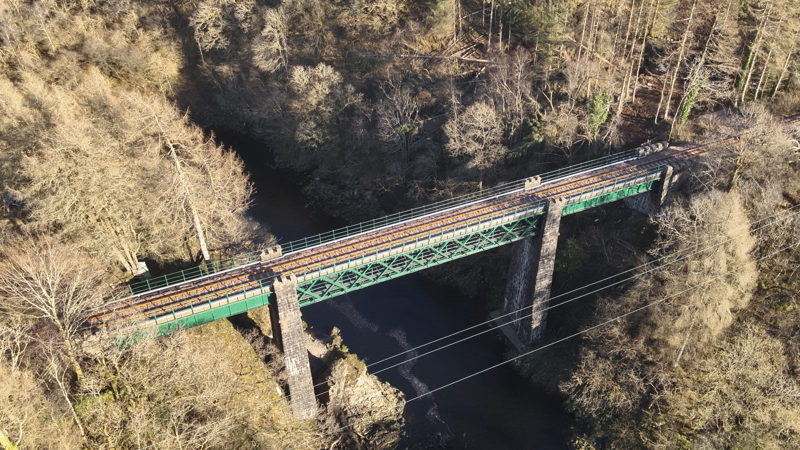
(371, 252)
(303, 272)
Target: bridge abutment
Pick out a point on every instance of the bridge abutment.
(530, 276)
(289, 336)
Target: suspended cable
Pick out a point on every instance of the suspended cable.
(796, 210)
(657, 302)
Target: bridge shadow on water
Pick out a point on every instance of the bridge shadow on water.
(498, 409)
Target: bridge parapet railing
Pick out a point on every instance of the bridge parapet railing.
(143, 286)
(243, 298)
(618, 184)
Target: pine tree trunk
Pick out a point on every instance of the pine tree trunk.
(763, 72)
(200, 235)
(583, 30)
(753, 56)
(500, 22)
(629, 75)
(590, 43)
(69, 350)
(680, 60)
(661, 100)
(783, 72)
(491, 19)
(125, 263)
(647, 26)
(460, 24)
(628, 30)
(455, 20)
(195, 217)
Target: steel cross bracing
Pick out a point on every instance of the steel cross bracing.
(446, 245)
(379, 255)
(365, 254)
(416, 255)
(250, 287)
(143, 286)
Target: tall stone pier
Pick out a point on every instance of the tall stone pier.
(289, 336)
(530, 276)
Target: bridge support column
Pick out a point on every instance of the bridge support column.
(288, 332)
(530, 276)
(651, 202)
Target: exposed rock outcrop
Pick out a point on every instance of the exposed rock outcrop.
(371, 410)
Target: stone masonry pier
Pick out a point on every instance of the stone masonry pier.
(530, 276)
(288, 332)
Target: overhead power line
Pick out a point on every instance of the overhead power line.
(786, 215)
(558, 341)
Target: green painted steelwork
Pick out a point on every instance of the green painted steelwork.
(161, 281)
(212, 314)
(442, 245)
(374, 272)
(359, 276)
(166, 325)
(414, 259)
(609, 197)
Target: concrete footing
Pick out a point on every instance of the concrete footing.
(530, 276)
(289, 336)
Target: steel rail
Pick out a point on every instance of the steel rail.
(352, 245)
(388, 243)
(253, 259)
(146, 286)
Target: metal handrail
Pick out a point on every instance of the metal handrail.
(634, 179)
(147, 285)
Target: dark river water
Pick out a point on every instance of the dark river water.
(498, 409)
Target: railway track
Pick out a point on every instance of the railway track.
(253, 279)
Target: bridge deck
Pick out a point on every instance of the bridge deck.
(368, 257)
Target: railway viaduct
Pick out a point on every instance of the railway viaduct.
(526, 214)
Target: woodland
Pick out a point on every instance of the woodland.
(107, 161)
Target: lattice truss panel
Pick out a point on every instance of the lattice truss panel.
(391, 260)
(411, 258)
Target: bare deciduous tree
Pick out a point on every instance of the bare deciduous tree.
(511, 89)
(700, 315)
(208, 189)
(748, 386)
(476, 133)
(578, 75)
(48, 282)
(320, 95)
(128, 176)
(211, 24)
(16, 335)
(29, 417)
(270, 51)
(398, 122)
(93, 179)
(187, 391)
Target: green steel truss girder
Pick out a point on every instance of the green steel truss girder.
(359, 276)
(177, 320)
(313, 288)
(609, 197)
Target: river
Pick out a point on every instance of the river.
(498, 409)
